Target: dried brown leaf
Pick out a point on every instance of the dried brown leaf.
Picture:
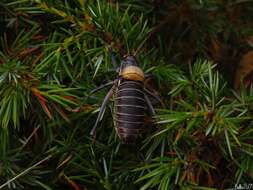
(244, 69)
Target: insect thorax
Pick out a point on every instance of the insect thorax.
(131, 72)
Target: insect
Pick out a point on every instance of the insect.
(130, 100)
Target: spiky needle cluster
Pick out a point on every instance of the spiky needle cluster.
(53, 53)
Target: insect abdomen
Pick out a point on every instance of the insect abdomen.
(129, 112)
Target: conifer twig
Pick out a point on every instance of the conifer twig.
(25, 172)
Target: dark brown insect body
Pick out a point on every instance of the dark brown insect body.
(129, 109)
(130, 101)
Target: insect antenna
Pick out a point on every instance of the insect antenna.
(142, 43)
(113, 60)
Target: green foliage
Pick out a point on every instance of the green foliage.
(204, 123)
(54, 53)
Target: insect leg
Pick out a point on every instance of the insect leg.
(103, 86)
(102, 110)
(150, 106)
(92, 92)
(148, 75)
(154, 96)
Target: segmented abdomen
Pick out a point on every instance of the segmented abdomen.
(129, 110)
